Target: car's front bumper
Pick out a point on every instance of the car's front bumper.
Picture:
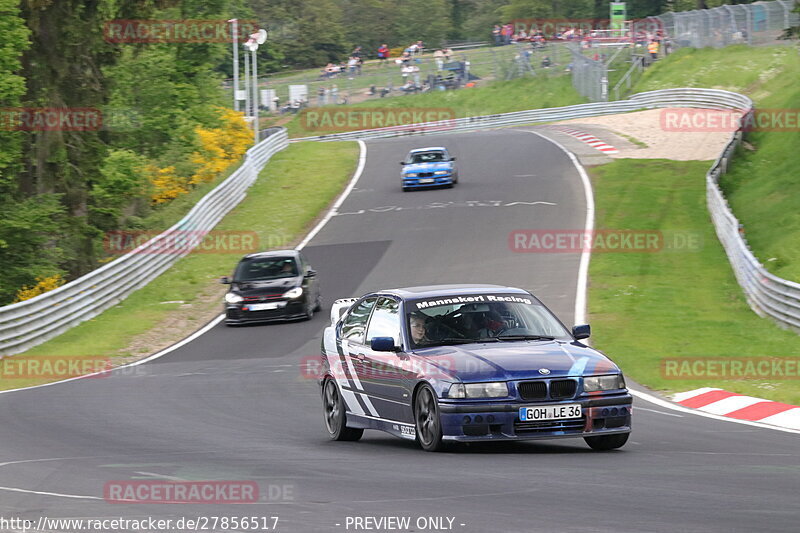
(470, 422)
(240, 314)
(414, 183)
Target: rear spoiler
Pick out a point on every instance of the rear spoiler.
(339, 307)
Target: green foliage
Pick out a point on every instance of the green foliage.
(12, 85)
(30, 241)
(123, 179)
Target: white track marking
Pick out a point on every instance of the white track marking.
(580, 300)
(583, 267)
(362, 161)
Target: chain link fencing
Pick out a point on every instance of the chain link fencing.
(760, 23)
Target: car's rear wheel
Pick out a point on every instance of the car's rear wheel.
(427, 420)
(607, 442)
(406, 189)
(335, 417)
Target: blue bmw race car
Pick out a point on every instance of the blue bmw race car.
(466, 363)
(429, 167)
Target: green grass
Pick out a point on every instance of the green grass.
(648, 307)
(762, 186)
(296, 185)
(497, 97)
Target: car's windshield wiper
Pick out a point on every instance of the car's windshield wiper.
(525, 337)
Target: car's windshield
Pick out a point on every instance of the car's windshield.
(427, 157)
(480, 318)
(265, 268)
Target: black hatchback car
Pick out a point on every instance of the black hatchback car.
(275, 285)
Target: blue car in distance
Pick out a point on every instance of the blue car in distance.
(466, 363)
(429, 167)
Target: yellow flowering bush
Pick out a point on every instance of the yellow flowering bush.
(220, 147)
(43, 285)
(167, 184)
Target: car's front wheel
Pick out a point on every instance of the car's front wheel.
(427, 420)
(607, 442)
(335, 417)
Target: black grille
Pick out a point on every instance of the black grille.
(564, 388)
(425, 175)
(533, 390)
(567, 426)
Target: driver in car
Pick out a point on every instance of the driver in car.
(419, 330)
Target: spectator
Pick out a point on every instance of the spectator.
(652, 49)
(497, 34)
(352, 65)
(383, 54)
(448, 54)
(321, 96)
(356, 52)
(546, 62)
(507, 31)
(438, 56)
(334, 94)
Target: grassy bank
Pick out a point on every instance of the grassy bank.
(762, 185)
(681, 302)
(296, 185)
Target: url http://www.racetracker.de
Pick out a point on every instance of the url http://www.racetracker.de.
(142, 525)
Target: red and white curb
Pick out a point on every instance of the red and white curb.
(724, 403)
(591, 140)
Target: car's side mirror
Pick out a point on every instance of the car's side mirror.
(225, 280)
(383, 344)
(310, 273)
(581, 332)
(452, 159)
(402, 162)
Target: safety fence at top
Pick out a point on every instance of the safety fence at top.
(26, 324)
(767, 294)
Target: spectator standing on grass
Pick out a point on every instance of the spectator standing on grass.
(438, 56)
(352, 64)
(383, 53)
(334, 94)
(508, 31)
(652, 49)
(321, 96)
(497, 34)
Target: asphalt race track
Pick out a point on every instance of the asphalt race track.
(234, 405)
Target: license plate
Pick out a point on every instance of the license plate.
(427, 180)
(550, 412)
(265, 307)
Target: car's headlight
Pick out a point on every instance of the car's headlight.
(496, 389)
(601, 383)
(411, 175)
(293, 293)
(442, 172)
(232, 298)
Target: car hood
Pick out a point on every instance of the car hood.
(428, 167)
(266, 288)
(507, 361)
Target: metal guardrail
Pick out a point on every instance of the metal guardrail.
(26, 324)
(767, 294)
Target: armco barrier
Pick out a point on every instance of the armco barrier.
(767, 294)
(26, 324)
